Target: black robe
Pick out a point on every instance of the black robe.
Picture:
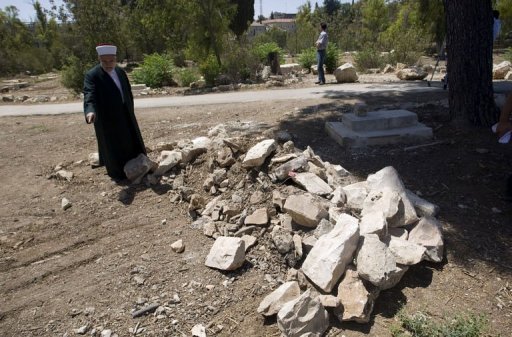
(117, 131)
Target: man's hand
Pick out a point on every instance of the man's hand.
(89, 118)
(503, 127)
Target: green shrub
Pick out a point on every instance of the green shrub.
(263, 50)
(210, 69)
(508, 54)
(407, 48)
(308, 58)
(422, 325)
(368, 58)
(239, 62)
(331, 58)
(73, 73)
(156, 71)
(187, 76)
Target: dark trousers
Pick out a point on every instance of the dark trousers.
(320, 57)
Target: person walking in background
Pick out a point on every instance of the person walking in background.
(108, 103)
(496, 27)
(321, 48)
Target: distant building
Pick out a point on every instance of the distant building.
(285, 24)
(279, 15)
(256, 29)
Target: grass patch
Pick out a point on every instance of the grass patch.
(422, 325)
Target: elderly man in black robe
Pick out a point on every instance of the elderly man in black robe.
(108, 103)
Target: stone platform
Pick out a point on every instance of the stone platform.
(381, 127)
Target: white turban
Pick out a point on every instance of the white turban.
(106, 49)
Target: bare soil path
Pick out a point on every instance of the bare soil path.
(95, 262)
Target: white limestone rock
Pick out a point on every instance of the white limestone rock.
(256, 155)
(299, 164)
(274, 301)
(227, 253)
(326, 262)
(249, 241)
(178, 246)
(282, 239)
(135, 169)
(405, 252)
(411, 74)
(500, 70)
(94, 159)
(65, 204)
(356, 296)
(355, 194)
(258, 218)
(428, 233)
(422, 206)
(346, 73)
(388, 194)
(377, 264)
(167, 160)
(305, 210)
(373, 223)
(312, 183)
(304, 316)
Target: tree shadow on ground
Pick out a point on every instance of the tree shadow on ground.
(465, 175)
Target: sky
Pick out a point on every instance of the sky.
(26, 11)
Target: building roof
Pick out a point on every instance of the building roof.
(278, 21)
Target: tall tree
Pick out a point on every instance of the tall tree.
(331, 6)
(243, 17)
(469, 47)
(210, 20)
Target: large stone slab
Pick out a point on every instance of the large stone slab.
(346, 137)
(346, 73)
(227, 253)
(422, 206)
(405, 252)
(136, 168)
(295, 165)
(326, 262)
(355, 194)
(304, 316)
(380, 120)
(274, 301)
(167, 160)
(373, 223)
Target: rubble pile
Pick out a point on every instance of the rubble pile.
(342, 240)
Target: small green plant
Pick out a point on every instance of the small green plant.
(210, 69)
(73, 73)
(156, 71)
(186, 76)
(422, 325)
(508, 54)
(368, 58)
(262, 51)
(307, 58)
(331, 58)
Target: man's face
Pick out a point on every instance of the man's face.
(108, 62)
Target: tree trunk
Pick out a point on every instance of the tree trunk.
(469, 47)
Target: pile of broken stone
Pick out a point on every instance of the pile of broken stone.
(350, 240)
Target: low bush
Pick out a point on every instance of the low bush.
(73, 73)
(210, 69)
(240, 63)
(262, 51)
(186, 76)
(156, 71)
(368, 58)
(331, 58)
(308, 58)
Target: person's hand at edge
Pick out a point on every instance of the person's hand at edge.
(89, 118)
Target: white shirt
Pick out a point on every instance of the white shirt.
(116, 80)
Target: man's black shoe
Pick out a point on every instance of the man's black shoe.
(318, 82)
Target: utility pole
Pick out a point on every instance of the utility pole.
(261, 8)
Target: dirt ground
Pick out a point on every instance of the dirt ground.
(110, 252)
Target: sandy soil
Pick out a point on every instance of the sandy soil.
(110, 252)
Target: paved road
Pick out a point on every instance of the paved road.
(334, 91)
